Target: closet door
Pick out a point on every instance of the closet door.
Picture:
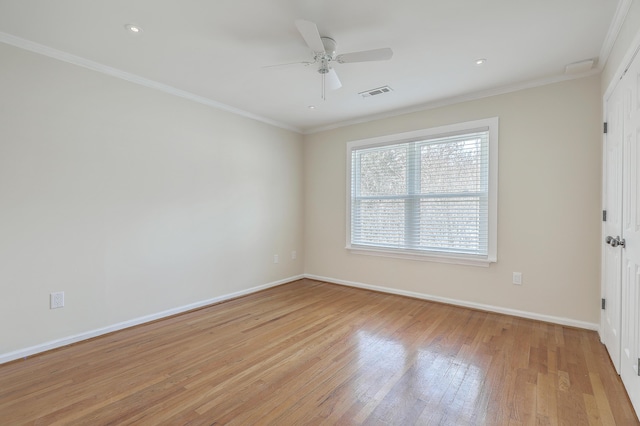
(630, 327)
(612, 204)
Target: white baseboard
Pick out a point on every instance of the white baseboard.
(489, 308)
(53, 344)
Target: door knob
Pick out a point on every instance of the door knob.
(615, 242)
(608, 239)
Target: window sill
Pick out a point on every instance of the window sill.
(458, 259)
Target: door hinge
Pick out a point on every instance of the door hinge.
(605, 128)
(604, 215)
(604, 303)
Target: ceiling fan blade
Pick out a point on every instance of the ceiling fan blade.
(333, 82)
(310, 34)
(306, 63)
(366, 55)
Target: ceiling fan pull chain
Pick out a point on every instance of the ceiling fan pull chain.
(323, 91)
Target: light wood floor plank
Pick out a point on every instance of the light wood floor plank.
(315, 353)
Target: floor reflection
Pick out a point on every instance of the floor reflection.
(417, 381)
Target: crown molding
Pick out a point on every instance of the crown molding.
(614, 29)
(455, 100)
(133, 78)
(612, 34)
(607, 46)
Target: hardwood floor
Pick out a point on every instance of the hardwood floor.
(315, 353)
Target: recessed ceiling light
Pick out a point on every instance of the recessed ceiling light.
(133, 28)
(312, 107)
(481, 61)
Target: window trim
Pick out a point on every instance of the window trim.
(441, 131)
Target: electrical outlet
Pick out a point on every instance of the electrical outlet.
(517, 278)
(275, 258)
(294, 255)
(57, 300)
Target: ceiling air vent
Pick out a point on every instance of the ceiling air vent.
(376, 91)
(579, 67)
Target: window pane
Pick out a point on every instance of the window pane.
(451, 166)
(378, 222)
(383, 171)
(453, 224)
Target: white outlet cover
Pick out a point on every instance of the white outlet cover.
(57, 300)
(517, 278)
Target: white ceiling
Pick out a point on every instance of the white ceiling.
(217, 49)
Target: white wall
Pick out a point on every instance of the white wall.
(131, 201)
(548, 213)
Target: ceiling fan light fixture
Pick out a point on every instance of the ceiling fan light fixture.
(329, 47)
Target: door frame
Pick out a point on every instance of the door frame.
(632, 51)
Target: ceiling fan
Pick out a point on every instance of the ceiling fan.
(324, 54)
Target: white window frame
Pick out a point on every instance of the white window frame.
(442, 131)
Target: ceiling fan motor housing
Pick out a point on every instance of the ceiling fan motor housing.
(327, 56)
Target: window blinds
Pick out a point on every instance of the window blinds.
(425, 195)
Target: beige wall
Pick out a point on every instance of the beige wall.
(131, 201)
(134, 202)
(548, 205)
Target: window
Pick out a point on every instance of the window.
(430, 194)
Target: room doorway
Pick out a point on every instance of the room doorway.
(620, 319)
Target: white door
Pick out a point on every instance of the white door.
(612, 204)
(630, 326)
